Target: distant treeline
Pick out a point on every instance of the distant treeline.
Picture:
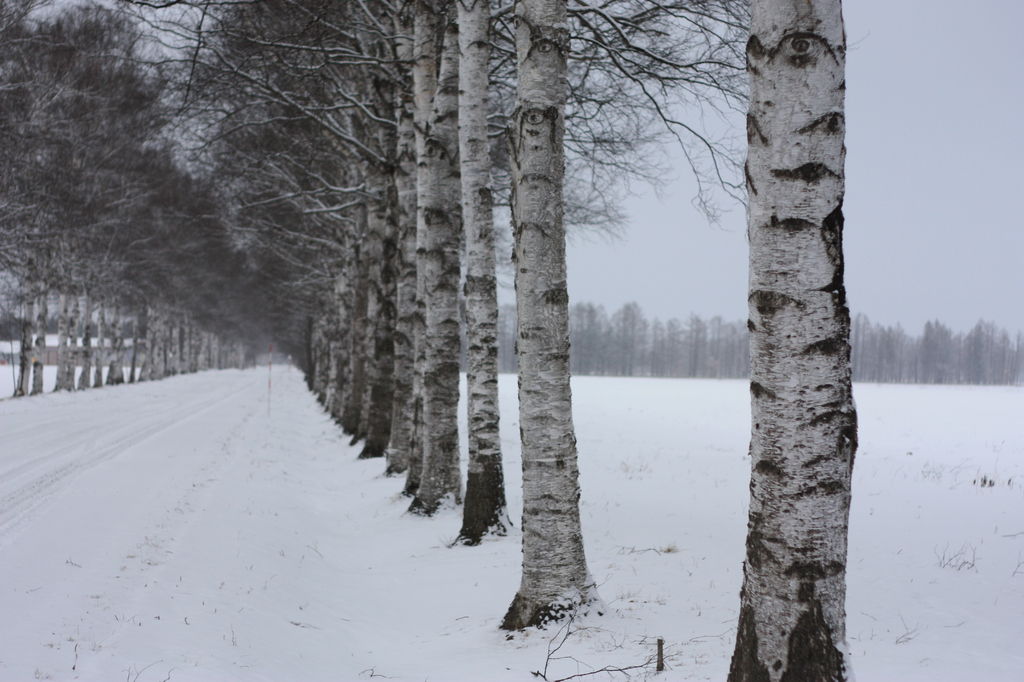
(984, 355)
(628, 344)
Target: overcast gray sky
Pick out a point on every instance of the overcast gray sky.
(935, 183)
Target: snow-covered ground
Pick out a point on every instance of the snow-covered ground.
(187, 530)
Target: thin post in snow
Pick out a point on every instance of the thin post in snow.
(661, 655)
(270, 370)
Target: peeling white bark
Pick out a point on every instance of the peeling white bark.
(424, 88)
(439, 209)
(803, 435)
(63, 357)
(115, 372)
(73, 351)
(39, 348)
(100, 354)
(84, 379)
(484, 510)
(383, 224)
(403, 411)
(25, 354)
(555, 579)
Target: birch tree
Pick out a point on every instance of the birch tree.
(403, 416)
(484, 509)
(804, 428)
(439, 209)
(115, 373)
(84, 379)
(555, 580)
(65, 368)
(25, 346)
(424, 84)
(39, 349)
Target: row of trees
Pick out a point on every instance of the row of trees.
(347, 150)
(984, 355)
(100, 217)
(627, 344)
(368, 144)
(98, 347)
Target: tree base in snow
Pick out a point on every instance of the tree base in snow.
(474, 536)
(371, 452)
(524, 613)
(395, 470)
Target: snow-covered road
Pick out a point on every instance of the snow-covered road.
(45, 450)
(98, 490)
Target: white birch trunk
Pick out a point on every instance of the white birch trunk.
(372, 252)
(174, 356)
(151, 368)
(424, 79)
(115, 372)
(555, 580)
(63, 355)
(101, 335)
(400, 444)
(84, 379)
(484, 510)
(354, 386)
(162, 347)
(335, 346)
(439, 207)
(317, 377)
(204, 351)
(74, 321)
(185, 343)
(804, 429)
(39, 349)
(136, 349)
(25, 350)
(215, 352)
(378, 407)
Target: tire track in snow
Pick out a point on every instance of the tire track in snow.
(48, 474)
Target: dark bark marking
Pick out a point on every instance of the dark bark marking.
(771, 302)
(767, 466)
(816, 460)
(832, 233)
(823, 488)
(751, 327)
(809, 172)
(558, 296)
(829, 346)
(848, 436)
(830, 123)
(798, 48)
(805, 592)
(755, 52)
(813, 657)
(750, 180)
(746, 665)
(792, 224)
(825, 417)
(813, 570)
(754, 131)
(757, 551)
(759, 391)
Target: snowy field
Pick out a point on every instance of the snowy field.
(188, 530)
